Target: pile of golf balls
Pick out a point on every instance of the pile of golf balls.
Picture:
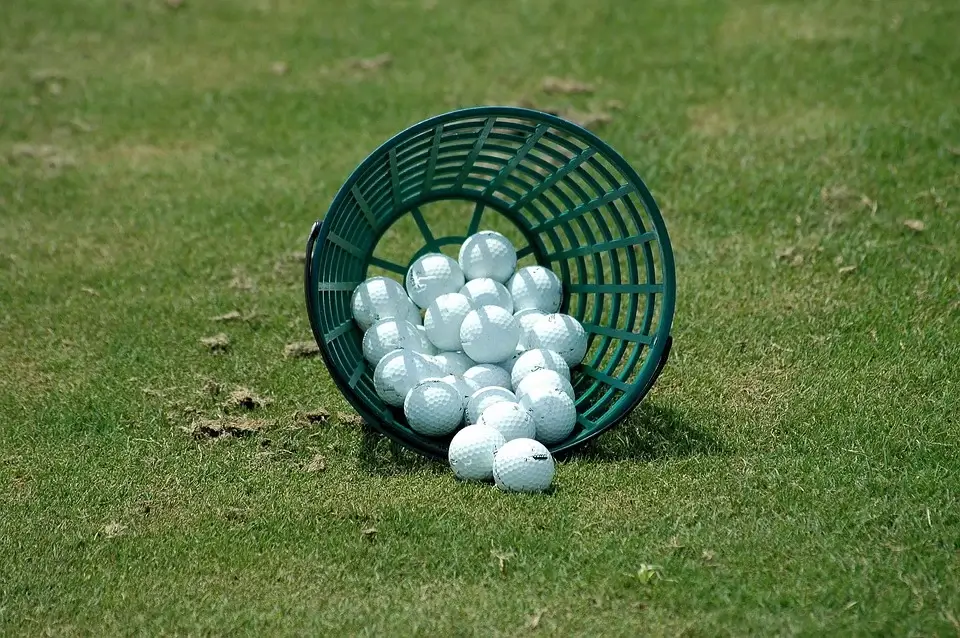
(475, 347)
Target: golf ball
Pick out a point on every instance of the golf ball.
(507, 364)
(544, 379)
(443, 318)
(472, 450)
(484, 398)
(563, 334)
(427, 345)
(552, 411)
(487, 292)
(433, 407)
(511, 419)
(455, 363)
(523, 465)
(489, 334)
(390, 334)
(538, 359)
(526, 318)
(432, 275)
(488, 254)
(400, 370)
(535, 287)
(381, 298)
(485, 375)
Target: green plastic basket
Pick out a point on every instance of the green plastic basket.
(568, 201)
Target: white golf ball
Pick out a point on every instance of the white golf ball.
(511, 419)
(432, 275)
(538, 359)
(484, 398)
(523, 465)
(535, 287)
(552, 411)
(526, 318)
(433, 407)
(381, 298)
(390, 334)
(489, 334)
(455, 363)
(465, 388)
(507, 364)
(472, 450)
(547, 379)
(428, 347)
(485, 375)
(443, 318)
(488, 254)
(400, 370)
(563, 334)
(487, 292)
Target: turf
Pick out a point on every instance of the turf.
(794, 470)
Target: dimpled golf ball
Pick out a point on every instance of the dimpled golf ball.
(390, 334)
(432, 275)
(484, 398)
(535, 287)
(523, 465)
(563, 334)
(433, 407)
(538, 359)
(549, 379)
(443, 318)
(381, 298)
(511, 419)
(526, 318)
(552, 411)
(487, 292)
(489, 334)
(428, 347)
(472, 450)
(485, 375)
(400, 370)
(488, 254)
(465, 388)
(455, 363)
(507, 364)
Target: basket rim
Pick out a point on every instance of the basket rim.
(658, 349)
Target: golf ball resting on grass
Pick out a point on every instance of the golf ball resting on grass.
(488, 361)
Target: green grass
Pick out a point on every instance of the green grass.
(794, 471)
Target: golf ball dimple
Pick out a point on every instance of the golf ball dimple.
(563, 334)
(538, 359)
(488, 254)
(485, 375)
(552, 411)
(432, 275)
(523, 465)
(487, 292)
(472, 450)
(535, 287)
(455, 363)
(489, 334)
(390, 334)
(549, 379)
(433, 407)
(511, 419)
(443, 319)
(381, 298)
(400, 370)
(484, 398)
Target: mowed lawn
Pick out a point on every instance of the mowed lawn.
(794, 470)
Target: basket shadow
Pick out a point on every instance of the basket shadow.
(651, 432)
(379, 456)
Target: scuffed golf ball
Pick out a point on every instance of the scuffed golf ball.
(484, 398)
(526, 318)
(487, 292)
(552, 411)
(432, 275)
(511, 419)
(507, 364)
(472, 450)
(549, 379)
(488, 254)
(455, 363)
(535, 287)
(390, 334)
(381, 298)
(563, 334)
(427, 345)
(400, 370)
(443, 318)
(489, 334)
(523, 465)
(433, 407)
(538, 359)
(485, 375)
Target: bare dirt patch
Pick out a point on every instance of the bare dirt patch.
(225, 427)
(218, 343)
(246, 399)
(565, 86)
(301, 350)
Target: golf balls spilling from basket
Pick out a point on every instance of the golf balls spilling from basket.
(576, 234)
